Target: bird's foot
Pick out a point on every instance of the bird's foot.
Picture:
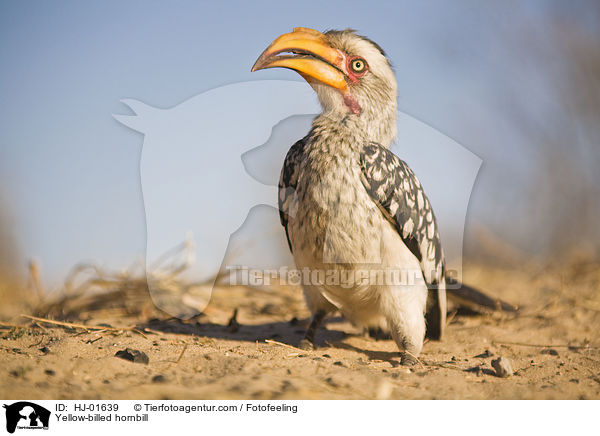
(408, 359)
(306, 344)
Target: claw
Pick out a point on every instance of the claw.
(307, 345)
(407, 359)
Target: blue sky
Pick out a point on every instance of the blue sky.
(71, 172)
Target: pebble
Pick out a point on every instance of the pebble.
(159, 378)
(502, 367)
(132, 355)
(331, 382)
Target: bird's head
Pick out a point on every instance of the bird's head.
(350, 74)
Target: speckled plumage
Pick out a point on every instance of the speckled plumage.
(348, 204)
(396, 189)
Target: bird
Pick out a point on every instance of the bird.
(352, 210)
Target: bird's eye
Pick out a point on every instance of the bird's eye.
(358, 65)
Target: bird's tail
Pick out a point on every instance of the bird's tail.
(474, 299)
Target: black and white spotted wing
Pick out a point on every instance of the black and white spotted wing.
(395, 188)
(287, 183)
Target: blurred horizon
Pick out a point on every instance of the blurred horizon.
(518, 84)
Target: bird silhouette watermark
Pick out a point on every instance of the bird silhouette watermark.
(210, 167)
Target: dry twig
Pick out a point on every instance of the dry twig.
(87, 328)
(185, 347)
(522, 344)
(281, 344)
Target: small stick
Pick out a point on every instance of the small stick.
(271, 341)
(139, 332)
(185, 347)
(88, 327)
(416, 358)
(521, 344)
(101, 331)
(35, 279)
(64, 324)
(451, 317)
(37, 324)
(156, 332)
(39, 343)
(14, 326)
(446, 366)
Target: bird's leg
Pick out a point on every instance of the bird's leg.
(411, 350)
(308, 343)
(407, 323)
(408, 359)
(436, 313)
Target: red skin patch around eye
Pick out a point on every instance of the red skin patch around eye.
(353, 77)
(351, 74)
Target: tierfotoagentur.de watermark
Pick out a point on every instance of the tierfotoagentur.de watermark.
(334, 276)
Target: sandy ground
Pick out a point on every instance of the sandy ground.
(553, 346)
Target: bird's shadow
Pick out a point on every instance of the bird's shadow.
(287, 332)
(386, 356)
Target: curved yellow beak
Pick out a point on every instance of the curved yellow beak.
(306, 51)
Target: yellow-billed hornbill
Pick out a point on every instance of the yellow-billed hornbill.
(350, 205)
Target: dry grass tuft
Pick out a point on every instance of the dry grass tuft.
(91, 291)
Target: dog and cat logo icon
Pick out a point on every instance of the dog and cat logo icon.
(26, 415)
